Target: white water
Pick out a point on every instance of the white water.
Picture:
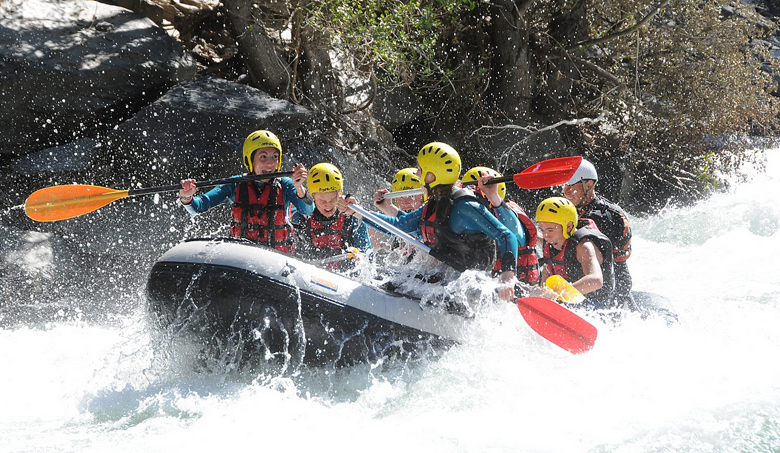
(709, 384)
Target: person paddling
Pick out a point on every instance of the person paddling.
(261, 209)
(404, 179)
(494, 195)
(576, 251)
(329, 231)
(608, 217)
(454, 223)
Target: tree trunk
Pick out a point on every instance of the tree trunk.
(155, 13)
(513, 76)
(556, 101)
(315, 77)
(267, 70)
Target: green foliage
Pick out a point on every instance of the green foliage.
(690, 74)
(396, 38)
(692, 89)
(677, 90)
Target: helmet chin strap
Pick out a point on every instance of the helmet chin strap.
(429, 190)
(585, 193)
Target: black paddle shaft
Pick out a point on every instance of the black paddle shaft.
(495, 180)
(214, 182)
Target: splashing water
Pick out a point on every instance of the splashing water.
(710, 383)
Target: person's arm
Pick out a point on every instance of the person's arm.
(588, 256)
(502, 212)
(470, 217)
(508, 217)
(305, 205)
(214, 197)
(386, 206)
(299, 180)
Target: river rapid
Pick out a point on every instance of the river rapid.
(708, 384)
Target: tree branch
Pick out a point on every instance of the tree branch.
(535, 131)
(624, 32)
(601, 72)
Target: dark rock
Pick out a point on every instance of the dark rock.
(395, 107)
(69, 67)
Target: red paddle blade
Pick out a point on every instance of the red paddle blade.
(548, 173)
(558, 324)
(64, 202)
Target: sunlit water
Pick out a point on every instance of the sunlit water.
(710, 383)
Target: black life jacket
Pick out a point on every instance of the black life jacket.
(564, 262)
(612, 221)
(262, 217)
(470, 251)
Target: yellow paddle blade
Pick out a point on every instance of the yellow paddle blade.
(64, 202)
(566, 292)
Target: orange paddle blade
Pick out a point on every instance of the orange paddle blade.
(548, 173)
(64, 202)
(558, 324)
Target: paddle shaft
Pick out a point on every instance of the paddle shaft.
(547, 173)
(420, 191)
(390, 227)
(401, 234)
(213, 182)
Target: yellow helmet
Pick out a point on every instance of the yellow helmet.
(405, 179)
(477, 173)
(257, 140)
(324, 177)
(557, 210)
(440, 159)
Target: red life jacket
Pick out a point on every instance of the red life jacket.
(262, 217)
(329, 237)
(331, 234)
(427, 224)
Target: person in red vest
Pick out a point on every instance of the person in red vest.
(329, 232)
(493, 196)
(262, 209)
(577, 251)
(405, 179)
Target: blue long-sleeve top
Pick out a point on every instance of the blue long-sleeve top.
(506, 216)
(360, 236)
(227, 192)
(468, 216)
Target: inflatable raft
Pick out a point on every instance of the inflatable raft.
(276, 307)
